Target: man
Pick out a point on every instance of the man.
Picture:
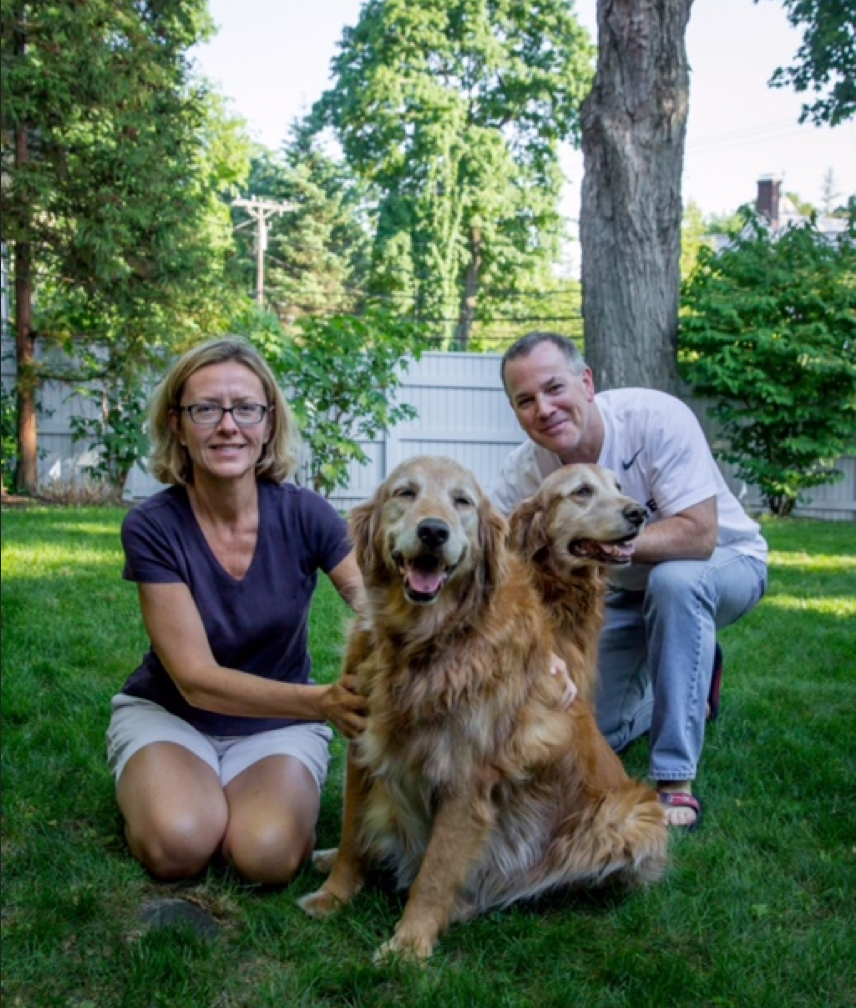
(698, 566)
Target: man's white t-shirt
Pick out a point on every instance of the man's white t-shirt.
(657, 449)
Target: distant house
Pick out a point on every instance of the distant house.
(779, 210)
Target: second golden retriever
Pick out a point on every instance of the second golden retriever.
(576, 526)
(471, 781)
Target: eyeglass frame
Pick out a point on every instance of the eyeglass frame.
(224, 410)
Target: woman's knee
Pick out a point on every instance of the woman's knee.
(176, 846)
(271, 851)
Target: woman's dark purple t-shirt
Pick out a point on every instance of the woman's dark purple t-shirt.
(257, 624)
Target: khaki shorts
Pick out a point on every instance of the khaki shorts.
(137, 723)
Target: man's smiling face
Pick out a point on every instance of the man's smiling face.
(554, 405)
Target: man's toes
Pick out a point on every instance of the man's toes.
(681, 809)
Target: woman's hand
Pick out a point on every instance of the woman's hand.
(344, 707)
(559, 668)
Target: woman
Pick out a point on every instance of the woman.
(218, 741)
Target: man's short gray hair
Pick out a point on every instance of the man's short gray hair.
(526, 344)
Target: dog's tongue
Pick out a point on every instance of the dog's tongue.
(621, 550)
(424, 582)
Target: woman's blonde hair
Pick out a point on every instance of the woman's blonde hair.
(169, 461)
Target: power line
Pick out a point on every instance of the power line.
(762, 133)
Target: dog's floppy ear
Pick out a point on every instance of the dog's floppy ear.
(528, 535)
(493, 533)
(363, 521)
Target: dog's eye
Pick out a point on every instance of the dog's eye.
(462, 501)
(405, 492)
(583, 491)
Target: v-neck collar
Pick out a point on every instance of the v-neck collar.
(200, 533)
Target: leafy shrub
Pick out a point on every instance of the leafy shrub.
(340, 374)
(117, 433)
(768, 330)
(9, 417)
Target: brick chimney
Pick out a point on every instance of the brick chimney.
(767, 201)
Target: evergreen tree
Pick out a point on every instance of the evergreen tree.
(113, 159)
(829, 192)
(318, 246)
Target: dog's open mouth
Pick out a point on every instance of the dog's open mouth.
(424, 577)
(617, 552)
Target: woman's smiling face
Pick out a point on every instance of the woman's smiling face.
(225, 450)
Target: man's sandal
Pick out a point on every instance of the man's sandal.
(680, 799)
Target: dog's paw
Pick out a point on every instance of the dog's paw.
(406, 947)
(323, 860)
(320, 904)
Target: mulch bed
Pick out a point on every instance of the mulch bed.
(14, 501)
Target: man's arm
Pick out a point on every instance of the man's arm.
(689, 535)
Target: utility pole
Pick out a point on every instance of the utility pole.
(260, 210)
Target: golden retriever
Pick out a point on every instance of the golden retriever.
(471, 780)
(568, 533)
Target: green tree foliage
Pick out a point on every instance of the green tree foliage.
(802, 207)
(117, 432)
(113, 159)
(340, 374)
(553, 303)
(318, 248)
(729, 224)
(9, 420)
(826, 60)
(454, 112)
(695, 235)
(769, 332)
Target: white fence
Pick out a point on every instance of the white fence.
(462, 412)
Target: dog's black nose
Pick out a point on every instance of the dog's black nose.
(635, 514)
(432, 532)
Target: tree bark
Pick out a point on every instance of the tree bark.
(27, 476)
(633, 131)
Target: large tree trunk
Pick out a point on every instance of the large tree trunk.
(633, 129)
(27, 476)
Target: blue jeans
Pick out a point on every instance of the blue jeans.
(656, 655)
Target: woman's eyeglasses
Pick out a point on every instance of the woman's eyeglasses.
(210, 414)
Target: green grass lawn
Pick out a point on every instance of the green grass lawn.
(757, 910)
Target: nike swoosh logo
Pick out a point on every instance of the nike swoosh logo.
(626, 465)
